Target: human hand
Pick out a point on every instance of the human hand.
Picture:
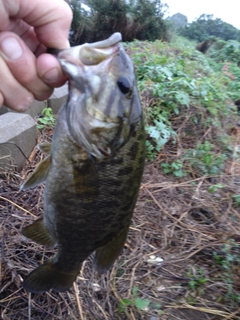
(27, 28)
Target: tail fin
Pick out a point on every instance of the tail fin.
(48, 276)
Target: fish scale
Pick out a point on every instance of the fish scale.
(94, 167)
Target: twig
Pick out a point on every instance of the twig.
(158, 204)
(78, 301)
(114, 290)
(232, 315)
(201, 309)
(132, 279)
(29, 306)
(16, 205)
(196, 251)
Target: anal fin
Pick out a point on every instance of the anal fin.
(38, 232)
(107, 254)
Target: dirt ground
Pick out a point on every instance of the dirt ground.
(181, 259)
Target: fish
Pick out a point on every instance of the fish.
(93, 168)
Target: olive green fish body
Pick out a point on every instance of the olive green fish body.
(97, 159)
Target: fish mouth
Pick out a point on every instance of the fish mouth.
(93, 128)
(89, 54)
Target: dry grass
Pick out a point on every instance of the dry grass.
(180, 222)
(195, 232)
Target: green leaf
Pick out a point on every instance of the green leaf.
(141, 303)
(134, 291)
(182, 98)
(178, 173)
(236, 198)
(215, 187)
(123, 304)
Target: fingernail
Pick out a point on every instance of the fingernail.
(52, 75)
(11, 48)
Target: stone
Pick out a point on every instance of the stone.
(16, 130)
(58, 98)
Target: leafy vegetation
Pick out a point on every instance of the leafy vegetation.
(135, 300)
(225, 58)
(229, 260)
(46, 119)
(190, 113)
(197, 280)
(181, 81)
(205, 159)
(236, 199)
(226, 51)
(175, 167)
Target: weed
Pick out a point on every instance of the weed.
(215, 187)
(134, 301)
(159, 134)
(173, 82)
(196, 284)
(176, 168)
(197, 280)
(226, 51)
(205, 159)
(47, 119)
(229, 260)
(236, 199)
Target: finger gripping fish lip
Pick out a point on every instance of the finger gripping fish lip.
(90, 54)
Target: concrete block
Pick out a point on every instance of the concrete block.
(3, 110)
(58, 98)
(55, 101)
(35, 109)
(18, 128)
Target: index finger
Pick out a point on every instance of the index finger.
(51, 19)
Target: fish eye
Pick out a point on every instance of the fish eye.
(123, 85)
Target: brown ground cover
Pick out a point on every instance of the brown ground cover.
(195, 232)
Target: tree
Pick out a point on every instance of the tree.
(135, 19)
(81, 23)
(205, 26)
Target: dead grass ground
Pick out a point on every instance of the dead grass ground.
(195, 232)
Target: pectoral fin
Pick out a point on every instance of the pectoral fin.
(39, 175)
(106, 255)
(45, 147)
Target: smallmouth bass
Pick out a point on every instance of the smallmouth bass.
(93, 171)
